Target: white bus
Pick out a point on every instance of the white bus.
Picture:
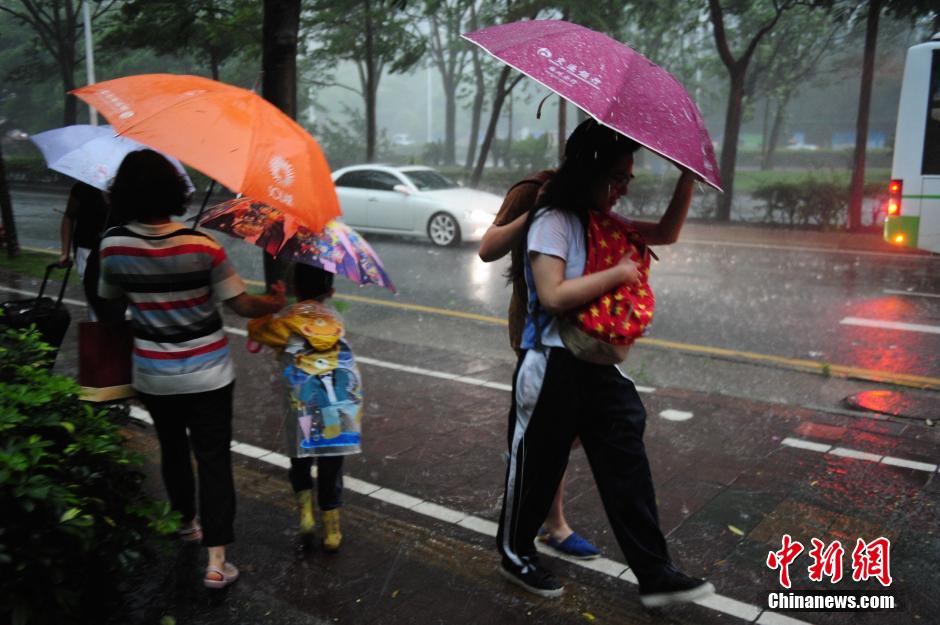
(913, 210)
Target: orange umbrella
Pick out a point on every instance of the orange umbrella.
(227, 133)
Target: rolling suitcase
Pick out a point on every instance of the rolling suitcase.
(50, 316)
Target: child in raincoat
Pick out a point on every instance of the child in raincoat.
(323, 396)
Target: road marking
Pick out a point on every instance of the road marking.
(605, 566)
(890, 325)
(824, 250)
(911, 293)
(866, 456)
(675, 415)
(812, 366)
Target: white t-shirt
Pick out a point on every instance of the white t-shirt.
(560, 234)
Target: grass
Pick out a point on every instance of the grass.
(28, 262)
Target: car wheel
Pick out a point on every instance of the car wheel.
(443, 230)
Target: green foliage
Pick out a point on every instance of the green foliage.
(213, 31)
(818, 202)
(75, 520)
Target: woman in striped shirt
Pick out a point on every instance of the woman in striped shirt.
(173, 277)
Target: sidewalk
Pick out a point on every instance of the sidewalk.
(732, 477)
(421, 502)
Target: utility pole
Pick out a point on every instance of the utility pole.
(89, 58)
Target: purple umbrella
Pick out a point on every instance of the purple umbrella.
(337, 247)
(616, 85)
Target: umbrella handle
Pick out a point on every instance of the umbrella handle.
(205, 201)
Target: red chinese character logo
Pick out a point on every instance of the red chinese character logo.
(826, 562)
(782, 559)
(872, 560)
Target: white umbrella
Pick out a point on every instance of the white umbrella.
(91, 154)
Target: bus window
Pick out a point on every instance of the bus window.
(931, 163)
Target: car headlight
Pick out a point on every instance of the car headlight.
(479, 216)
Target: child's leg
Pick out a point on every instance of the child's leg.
(329, 482)
(302, 483)
(299, 474)
(330, 498)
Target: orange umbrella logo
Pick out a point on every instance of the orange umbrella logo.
(228, 133)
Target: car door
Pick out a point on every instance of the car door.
(353, 189)
(389, 209)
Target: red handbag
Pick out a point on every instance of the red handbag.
(603, 330)
(105, 372)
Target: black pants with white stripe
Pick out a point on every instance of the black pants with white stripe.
(557, 397)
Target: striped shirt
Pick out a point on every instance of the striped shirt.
(173, 278)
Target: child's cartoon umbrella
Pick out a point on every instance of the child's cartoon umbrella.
(91, 154)
(616, 85)
(336, 248)
(230, 134)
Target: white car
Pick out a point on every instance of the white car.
(413, 200)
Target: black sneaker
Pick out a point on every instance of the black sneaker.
(533, 577)
(674, 587)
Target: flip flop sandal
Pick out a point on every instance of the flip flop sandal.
(228, 574)
(190, 534)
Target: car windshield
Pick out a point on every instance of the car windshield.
(429, 180)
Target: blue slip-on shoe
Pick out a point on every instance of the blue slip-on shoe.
(574, 546)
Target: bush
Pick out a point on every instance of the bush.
(811, 202)
(75, 519)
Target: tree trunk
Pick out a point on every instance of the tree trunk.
(370, 89)
(729, 145)
(450, 122)
(562, 127)
(491, 128)
(6, 210)
(768, 161)
(70, 116)
(279, 80)
(857, 187)
(476, 114)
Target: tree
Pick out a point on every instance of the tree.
(10, 238)
(757, 18)
(57, 25)
(211, 30)
(873, 9)
(449, 54)
(786, 62)
(373, 34)
(279, 82)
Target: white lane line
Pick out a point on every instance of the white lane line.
(605, 566)
(844, 452)
(890, 325)
(910, 293)
(675, 415)
(804, 444)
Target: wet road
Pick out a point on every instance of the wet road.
(874, 311)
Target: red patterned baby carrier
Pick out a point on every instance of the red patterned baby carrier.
(603, 329)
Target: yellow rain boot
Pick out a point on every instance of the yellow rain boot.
(332, 537)
(305, 508)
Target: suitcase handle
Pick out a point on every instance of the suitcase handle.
(65, 280)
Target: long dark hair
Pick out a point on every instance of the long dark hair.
(147, 186)
(590, 152)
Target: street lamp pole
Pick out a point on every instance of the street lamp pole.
(89, 58)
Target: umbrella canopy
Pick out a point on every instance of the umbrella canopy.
(227, 133)
(91, 154)
(336, 247)
(616, 85)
